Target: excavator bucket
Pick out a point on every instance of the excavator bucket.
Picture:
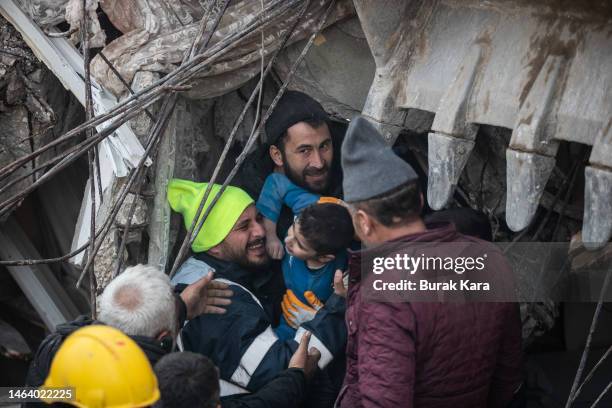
(542, 69)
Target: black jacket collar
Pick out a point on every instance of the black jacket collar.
(153, 348)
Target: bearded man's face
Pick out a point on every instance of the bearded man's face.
(307, 153)
(246, 242)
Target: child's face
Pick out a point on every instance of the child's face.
(296, 245)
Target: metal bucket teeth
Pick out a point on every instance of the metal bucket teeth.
(597, 220)
(526, 176)
(447, 158)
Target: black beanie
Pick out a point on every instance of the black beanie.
(293, 107)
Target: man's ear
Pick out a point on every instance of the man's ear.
(215, 251)
(326, 258)
(364, 221)
(276, 155)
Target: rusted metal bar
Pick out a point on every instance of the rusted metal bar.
(195, 229)
(123, 81)
(587, 348)
(201, 42)
(92, 151)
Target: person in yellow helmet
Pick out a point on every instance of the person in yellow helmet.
(105, 368)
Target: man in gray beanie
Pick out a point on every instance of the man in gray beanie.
(416, 354)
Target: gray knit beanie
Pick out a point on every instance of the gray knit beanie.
(369, 165)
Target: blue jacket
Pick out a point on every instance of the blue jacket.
(242, 342)
(277, 191)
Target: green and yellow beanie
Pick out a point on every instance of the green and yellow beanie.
(185, 196)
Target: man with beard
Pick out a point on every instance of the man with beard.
(304, 144)
(242, 342)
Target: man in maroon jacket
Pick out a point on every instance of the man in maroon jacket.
(417, 354)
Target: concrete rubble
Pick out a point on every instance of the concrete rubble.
(25, 112)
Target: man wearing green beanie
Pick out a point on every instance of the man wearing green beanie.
(242, 342)
(234, 205)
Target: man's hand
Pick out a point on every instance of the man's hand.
(205, 296)
(339, 288)
(306, 360)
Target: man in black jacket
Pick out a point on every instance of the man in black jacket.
(243, 342)
(141, 302)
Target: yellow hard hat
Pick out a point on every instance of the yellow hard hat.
(105, 368)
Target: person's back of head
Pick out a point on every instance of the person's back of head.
(396, 207)
(381, 188)
(326, 227)
(140, 302)
(187, 380)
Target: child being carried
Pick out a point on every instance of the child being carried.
(316, 246)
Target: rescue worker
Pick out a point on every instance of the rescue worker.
(141, 303)
(428, 354)
(304, 145)
(104, 368)
(242, 342)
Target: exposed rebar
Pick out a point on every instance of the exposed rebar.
(128, 109)
(155, 91)
(219, 49)
(603, 393)
(201, 41)
(585, 353)
(92, 151)
(112, 67)
(151, 145)
(193, 233)
(592, 372)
